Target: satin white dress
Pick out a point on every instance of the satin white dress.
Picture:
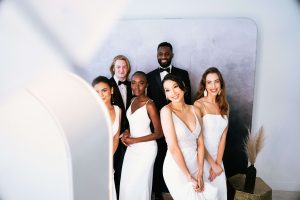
(213, 128)
(115, 128)
(177, 183)
(137, 170)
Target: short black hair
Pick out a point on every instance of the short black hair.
(100, 79)
(140, 73)
(165, 44)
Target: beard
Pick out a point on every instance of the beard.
(164, 65)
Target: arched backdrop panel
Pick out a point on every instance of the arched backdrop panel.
(227, 43)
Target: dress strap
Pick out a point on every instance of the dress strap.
(148, 101)
(193, 108)
(204, 107)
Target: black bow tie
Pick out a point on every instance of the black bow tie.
(122, 82)
(167, 69)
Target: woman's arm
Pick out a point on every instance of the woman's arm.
(200, 152)
(221, 147)
(117, 135)
(157, 133)
(171, 139)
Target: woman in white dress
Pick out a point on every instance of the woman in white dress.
(103, 87)
(137, 170)
(183, 165)
(211, 100)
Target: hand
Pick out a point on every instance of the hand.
(212, 175)
(194, 183)
(127, 140)
(200, 182)
(124, 136)
(217, 169)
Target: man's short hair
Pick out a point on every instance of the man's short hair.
(165, 44)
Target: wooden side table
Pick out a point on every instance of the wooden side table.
(261, 191)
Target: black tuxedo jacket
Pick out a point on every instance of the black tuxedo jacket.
(117, 100)
(156, 91)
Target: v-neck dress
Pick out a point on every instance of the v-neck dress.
(177, 183)
(137, 170)
(115, 128)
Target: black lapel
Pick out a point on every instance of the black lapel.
(117, 94)
(158, 80)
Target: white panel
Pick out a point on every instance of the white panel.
(55, 142)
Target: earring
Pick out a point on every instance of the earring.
(205, 93)
(112, 99)
(145, 91)
(219, 92)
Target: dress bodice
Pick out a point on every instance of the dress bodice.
(139, 121)
(116, 124)
(185, 137)
(213, 128)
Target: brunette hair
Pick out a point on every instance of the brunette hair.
(102, 79)
(221, 98)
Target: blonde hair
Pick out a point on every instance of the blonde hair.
(119, 57)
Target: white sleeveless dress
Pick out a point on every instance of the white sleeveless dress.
(214, 126)
(177, 183)
(137, 170)
(115, 128)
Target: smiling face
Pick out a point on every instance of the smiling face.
(121, 69)
(138, 85)
(173, 91)
(164, 56)
(104, 91)
(213, 84)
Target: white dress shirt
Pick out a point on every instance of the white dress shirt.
(164, 73)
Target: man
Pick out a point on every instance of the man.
(120, 69)
(157, 94)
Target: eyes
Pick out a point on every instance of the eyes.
(173, 87)
(102, 91)
(160, 54)
(209, 82)
(141, 83)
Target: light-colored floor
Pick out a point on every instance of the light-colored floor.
(276, 195)
(285, 195)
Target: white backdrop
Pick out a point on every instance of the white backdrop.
(226, 43)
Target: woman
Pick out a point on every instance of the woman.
(183, 164)
(211, 100)
(137, 170)
(103, 87)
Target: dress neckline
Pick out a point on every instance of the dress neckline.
(131, 113)
(196, 121)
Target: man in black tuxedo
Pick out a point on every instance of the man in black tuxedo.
(157, 94)
(120, 69)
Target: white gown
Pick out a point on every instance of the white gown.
(137, 170)
(214, 126)
(115, 128)
(177, 183)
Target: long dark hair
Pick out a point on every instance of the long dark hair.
(221, 98)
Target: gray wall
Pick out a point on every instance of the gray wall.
(198, 43)
(276, 93)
